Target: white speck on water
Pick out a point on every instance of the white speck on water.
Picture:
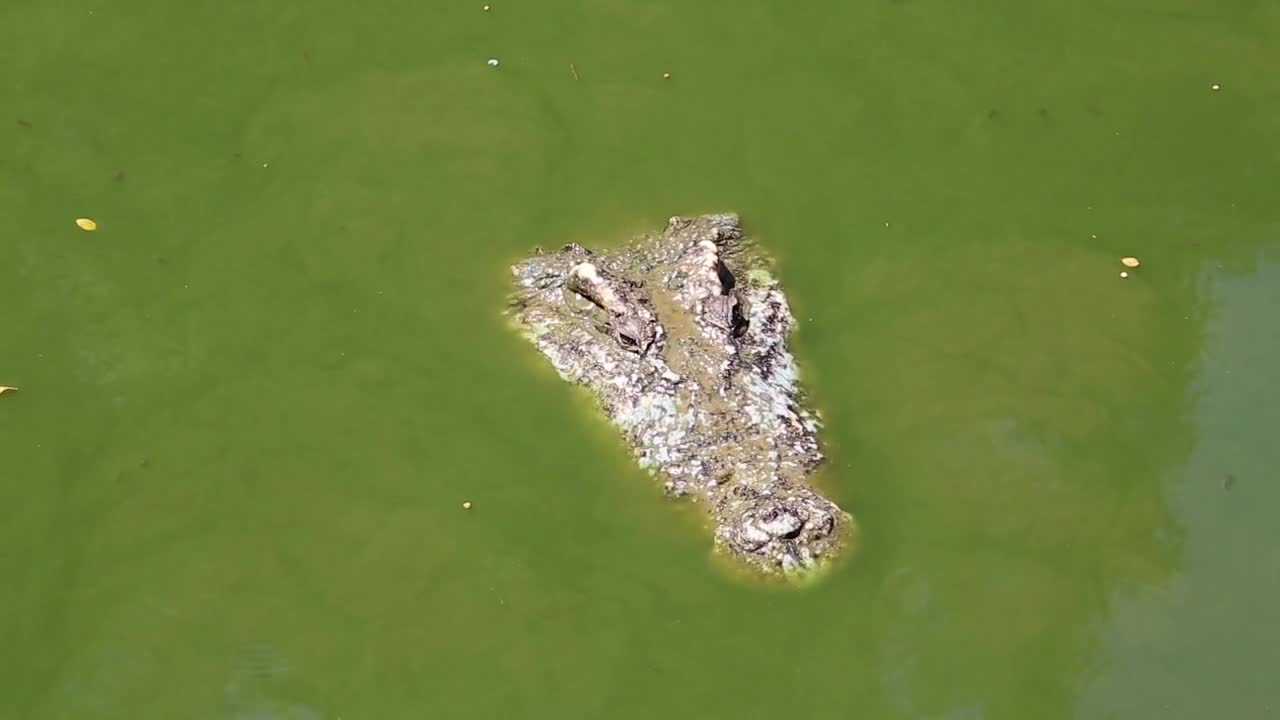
(493, 62)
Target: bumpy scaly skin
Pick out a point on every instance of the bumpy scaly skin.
(689, 359)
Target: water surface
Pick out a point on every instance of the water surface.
(253, 402)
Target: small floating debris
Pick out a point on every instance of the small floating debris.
(1215, 87)
(493, 62)
(487, 8)
(466, 505)
(1130, 261)
(7, 388)
(86, 224)
(666, 76)
(1124, 274)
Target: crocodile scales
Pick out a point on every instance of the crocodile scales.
(682, 338)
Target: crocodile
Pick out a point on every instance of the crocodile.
(681, 336)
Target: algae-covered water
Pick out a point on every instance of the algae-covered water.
(252, 402)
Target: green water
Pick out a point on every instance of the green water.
(253, 402)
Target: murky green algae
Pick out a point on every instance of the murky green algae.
(254, 400)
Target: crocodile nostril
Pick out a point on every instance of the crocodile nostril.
(781, 523)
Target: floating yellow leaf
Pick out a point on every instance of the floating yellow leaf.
(6, 388)
(86, 224)
(1130, 261)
